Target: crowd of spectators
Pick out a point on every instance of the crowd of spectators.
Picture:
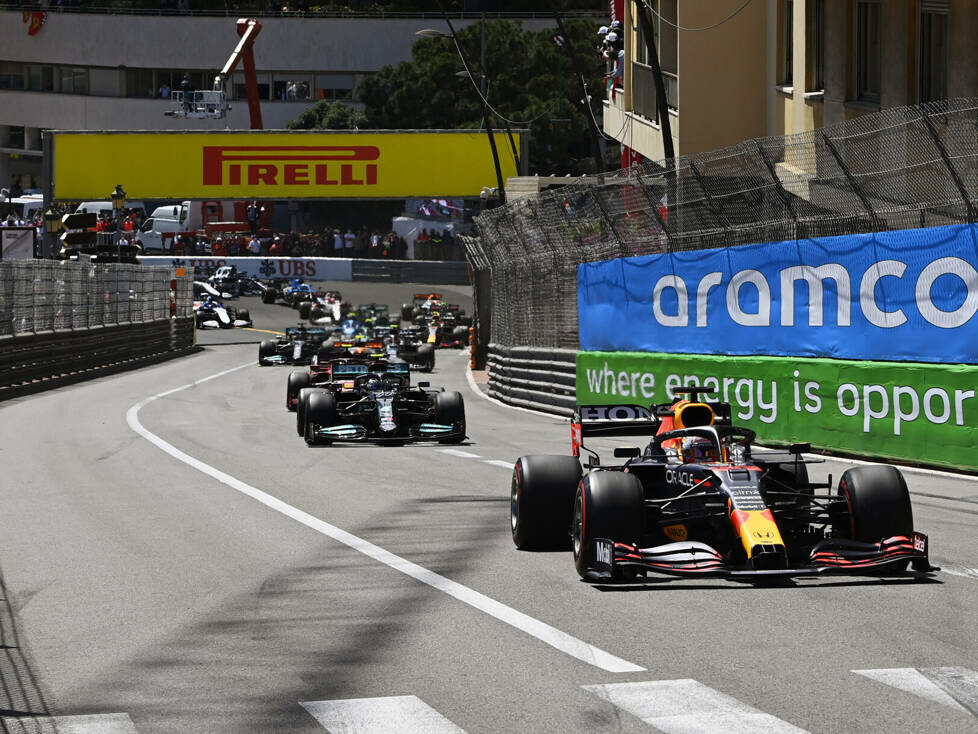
(612, 49)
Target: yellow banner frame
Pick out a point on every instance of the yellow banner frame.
(301, 164)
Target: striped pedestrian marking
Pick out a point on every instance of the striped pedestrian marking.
(388, 715)
(84, 724)
(956, 688)
(686, 706)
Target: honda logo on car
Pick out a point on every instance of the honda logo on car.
(615, 413)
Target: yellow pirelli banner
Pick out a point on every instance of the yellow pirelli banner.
(276, 164)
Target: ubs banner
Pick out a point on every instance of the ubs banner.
(311, 268)
(273, 165)
(910, 295)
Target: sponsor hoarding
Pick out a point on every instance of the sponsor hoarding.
(274, 164)
(912, 411)
(309, 268)
(907, 295)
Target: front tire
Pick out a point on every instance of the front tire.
(426, 357)
(268, 295)
(450, 409)
(541, 501)
(320, 411)
(265, 350)
(608, 505)
(304, 309)
(878, 502)
(300, 408)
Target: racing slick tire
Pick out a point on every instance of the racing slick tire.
(463, 319)
(304, 308)
(407, 311)
(298, 379)
(243, 314)
(265, 350)
(320, 411)
(878, 501)
(314, 313)
(541, 501)
(426, 357)
(607, 505)
(300, 409)
(269, 295)
(461, 335)
(450, 408)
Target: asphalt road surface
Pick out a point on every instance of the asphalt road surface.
(175, 559)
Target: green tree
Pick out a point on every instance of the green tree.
(530, 83)
(325, 115)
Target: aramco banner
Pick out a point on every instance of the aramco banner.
(298, 164)
(909, 295)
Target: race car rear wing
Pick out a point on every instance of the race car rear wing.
(610, 420)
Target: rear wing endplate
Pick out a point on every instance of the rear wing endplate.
(610, 420)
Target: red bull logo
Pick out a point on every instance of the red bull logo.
(298, 165)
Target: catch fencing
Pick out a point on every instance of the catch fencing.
(69, 320)
(902, 168)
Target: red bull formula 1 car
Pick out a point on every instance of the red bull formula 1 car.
(698, 502)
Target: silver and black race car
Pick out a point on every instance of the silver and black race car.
(299, 345)
(698, 502)
(381, 407)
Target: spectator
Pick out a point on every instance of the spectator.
(337, 243)
(349, 242)
(254, 245)
(251, 213)
(164, 91)
(276, 249)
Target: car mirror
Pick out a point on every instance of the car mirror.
(627, 452)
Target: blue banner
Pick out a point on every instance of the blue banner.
(910, 295)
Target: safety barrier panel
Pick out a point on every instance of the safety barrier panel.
(434, 272)
(29, 363)
(540, 379)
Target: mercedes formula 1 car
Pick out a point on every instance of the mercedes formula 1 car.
(299, 346)
(381, 407)
(698, 502)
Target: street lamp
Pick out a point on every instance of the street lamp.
(432, 33)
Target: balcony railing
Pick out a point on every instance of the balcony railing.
(643, 91)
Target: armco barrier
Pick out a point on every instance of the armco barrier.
(541, 379)
(434, 272)
(47, 359)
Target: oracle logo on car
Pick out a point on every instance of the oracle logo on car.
(298, 165)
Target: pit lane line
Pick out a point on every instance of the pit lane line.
(557, 639)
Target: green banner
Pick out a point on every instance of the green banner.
(913, 411)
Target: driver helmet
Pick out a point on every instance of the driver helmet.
(696, 449)
(294, 282)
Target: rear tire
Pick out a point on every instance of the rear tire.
(269, 295)
(461, 334)
(304, 309)
(878, 501)
(426, 357)
(320, 411)
(315, 313)
(407, 311)
(450, 409)
(608, 505)
(265, 350)
(297, 380)
(541, 501)
(243, 314)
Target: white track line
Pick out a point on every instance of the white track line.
(499, 462)
(687, 706)
(84, 724)
(911, 680)
(545, 633)
(388, 715)
(459, 454)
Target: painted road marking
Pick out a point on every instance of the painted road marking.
(389, 715)
(87, 724)
(687, 706)
(552, 636)
(963, 571)
(460, 454)
(263, 331)
(953, 687)
(499, 462)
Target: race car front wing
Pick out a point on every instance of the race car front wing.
(355, 433)
(830, 556)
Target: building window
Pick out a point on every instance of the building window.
(868, 51)
(11, 75)
(73, 81)
(933, 50)
(788, 44)
(817, 56)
